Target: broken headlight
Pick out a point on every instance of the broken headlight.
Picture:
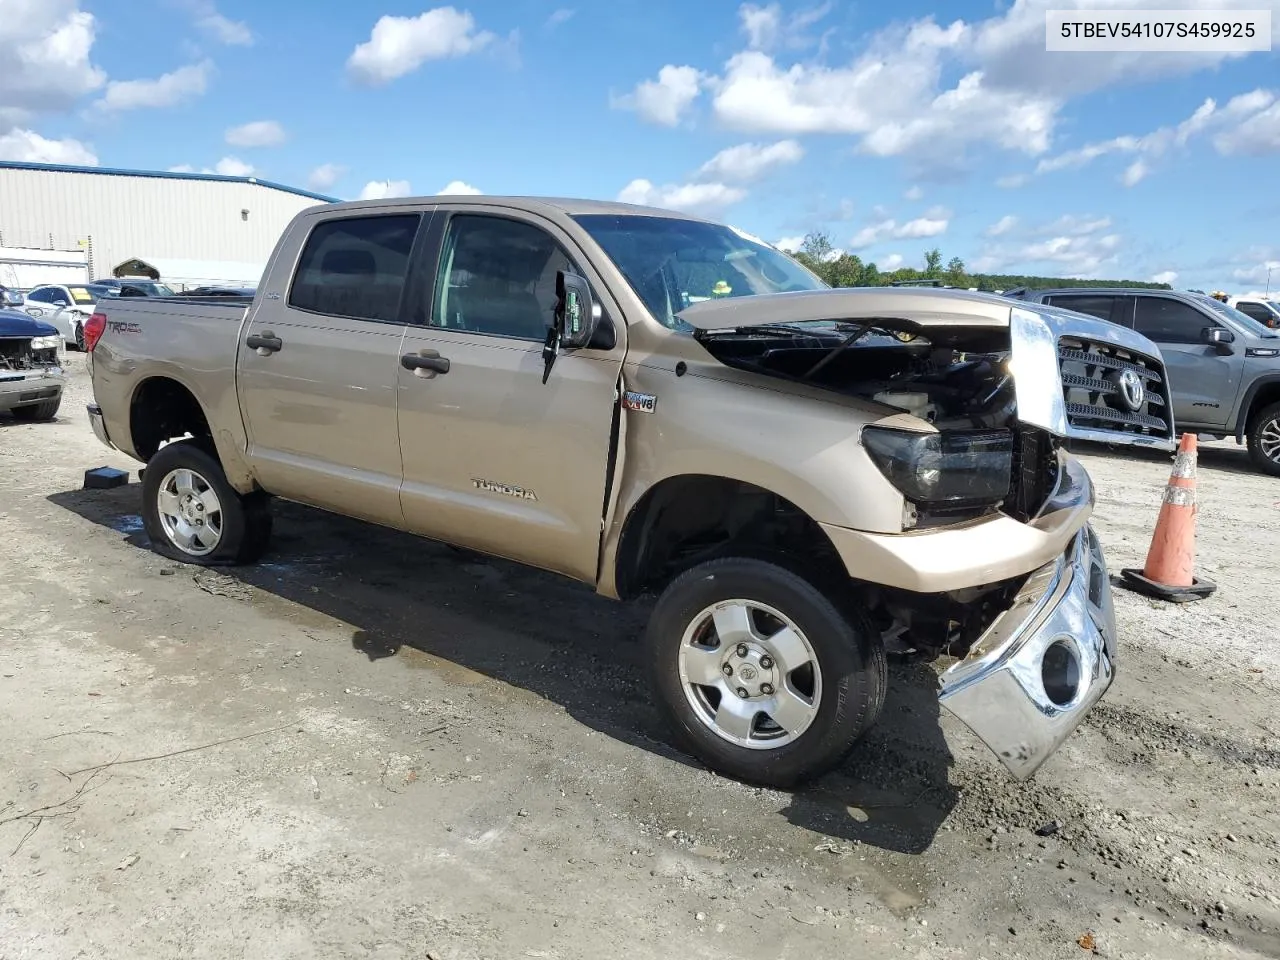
(46, 343)
(950, 468)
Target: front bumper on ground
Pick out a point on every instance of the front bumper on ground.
(1030, 679)
(19, 388)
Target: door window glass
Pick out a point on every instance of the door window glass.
(1099, 307)
(498, 276)
(43, 295)
(355, 267)
(1170, 321)
(1257, 311)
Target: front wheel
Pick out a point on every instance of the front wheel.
(79, 336)
(1264, 440)
(194, 515)
(43, 411)
(760, 675)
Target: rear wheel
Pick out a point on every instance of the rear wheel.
(760, 675)
(80, 336)
(194, 515)
(42, 411)
(1264, 440)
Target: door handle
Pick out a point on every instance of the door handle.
(265, 343)
(425, 363)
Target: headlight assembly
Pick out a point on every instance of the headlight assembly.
(951, 468)
(46, 343)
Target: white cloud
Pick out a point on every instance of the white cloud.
(666, 100)
(1135, 173)
(560, 16)
(233, 167)
(325, 176)
(164, 91)
(750, 161)
(1165, 276)
(27, 146)
(1255, 133)
(917, 229)
(459, 188)
(890, 263)
(1072, 245)
(1012, 181)
(1257, 273)
(698, 198)
(790, 243)
(384, 189)
(914, 194)
(45, 47)
(1002, 226)
(400, 45)
(231, 32)
(765, 27)
(259, 133)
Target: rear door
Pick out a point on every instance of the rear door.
(494, 458)
(1204, 382)
(317, 364)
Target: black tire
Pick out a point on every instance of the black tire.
(80, 336)
(245, 519)
(848, 652)
(1268, 417)
(43, 411)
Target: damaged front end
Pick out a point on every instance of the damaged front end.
(29, 370)
(996, 563)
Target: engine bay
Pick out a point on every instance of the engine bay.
(16, 354)
(956, 386)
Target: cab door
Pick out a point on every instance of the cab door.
(495, 459)
(316, 372)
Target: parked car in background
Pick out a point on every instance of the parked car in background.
(130, 287)
(1266, 312)
(31, 380)
(10, 297)
(653, 403)
(1223, 365)
(246, 292)
(66, 307)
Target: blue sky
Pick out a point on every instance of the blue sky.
(893, 128)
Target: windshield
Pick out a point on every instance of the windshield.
(1243, 319)
(672, 263)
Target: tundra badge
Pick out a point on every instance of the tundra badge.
(505, 489)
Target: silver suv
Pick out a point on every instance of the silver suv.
(1223, 366)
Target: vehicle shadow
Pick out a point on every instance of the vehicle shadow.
(405, 596)
(1226, 456)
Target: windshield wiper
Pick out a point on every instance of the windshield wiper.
(777, 329)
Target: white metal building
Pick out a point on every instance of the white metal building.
(208, 223)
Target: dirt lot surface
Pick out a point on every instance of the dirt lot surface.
(381, 747)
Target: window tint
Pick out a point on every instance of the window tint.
(1257, 311)
(498, 276)
(1170, 321)
(355, 267)
(1099, 307)
(43, 295)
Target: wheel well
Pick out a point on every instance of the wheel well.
(686, 520)
(1267, 394)
(164, 409)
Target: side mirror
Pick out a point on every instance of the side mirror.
(61, 303)
(575, 315)
(1219, 337)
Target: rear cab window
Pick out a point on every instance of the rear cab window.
(355, 267)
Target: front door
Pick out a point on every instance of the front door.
(495, 459)
(317, 369)
(1203, 381)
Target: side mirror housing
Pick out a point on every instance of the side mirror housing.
(61, 303)
(576, 316)
(1221, 338)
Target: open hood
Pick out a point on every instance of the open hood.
(893, 308)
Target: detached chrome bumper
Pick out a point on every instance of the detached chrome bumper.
(99, 426)
(1029, 680)
(22, 387)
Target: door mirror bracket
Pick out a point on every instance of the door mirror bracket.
(574, 321)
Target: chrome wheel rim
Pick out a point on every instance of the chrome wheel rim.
(1269, 439)
(750, 674)
(190, 512)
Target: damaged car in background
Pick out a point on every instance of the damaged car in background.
(656, 404)
(31, 378)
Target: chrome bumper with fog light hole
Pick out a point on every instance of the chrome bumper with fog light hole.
(1029, 680)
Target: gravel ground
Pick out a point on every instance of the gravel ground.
(371, 745)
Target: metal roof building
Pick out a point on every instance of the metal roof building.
(115, 216)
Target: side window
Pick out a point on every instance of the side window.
(1099, 307)
(355, 267)
(1170, 321)
(497, 276)
(43, 295)
(1257, 311)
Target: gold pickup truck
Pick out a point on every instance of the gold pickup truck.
(806, 478)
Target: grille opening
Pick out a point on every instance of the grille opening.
(1112, 390)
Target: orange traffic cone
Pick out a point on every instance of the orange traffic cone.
(1169, 572)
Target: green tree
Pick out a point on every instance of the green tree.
(817, 246)
(955, 273)
(845, 270)
(932, 263)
